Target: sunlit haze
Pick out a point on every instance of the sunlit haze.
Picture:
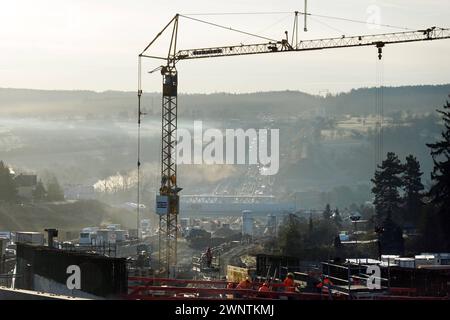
(93, 45)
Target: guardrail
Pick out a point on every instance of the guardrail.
(164, 288)
(348, 285)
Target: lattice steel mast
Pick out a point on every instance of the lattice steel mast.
(168, 199)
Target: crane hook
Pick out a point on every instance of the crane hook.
(380, 46)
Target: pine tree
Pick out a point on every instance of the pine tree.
(327, 212)
(412, 186)
(54, 190)
(39, 192)
(386, 182)
(337, 218)
(309, 236)
(440, 190)
(8, 191)
(310, 225)
(291, 240)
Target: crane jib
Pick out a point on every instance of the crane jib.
(378, 40)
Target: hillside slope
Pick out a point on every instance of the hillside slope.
(64, 216)
(220, 106)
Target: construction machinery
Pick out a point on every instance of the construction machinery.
(167, 202)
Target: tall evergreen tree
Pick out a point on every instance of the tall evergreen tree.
(39, 192)
(386, 182)
(440, 190)
(326, 214)
(291, 239)
(337, 217)
(54, 190)
(412, 186)
(8, 191)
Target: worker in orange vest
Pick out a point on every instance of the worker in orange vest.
(324, 284)
(289, 284)
(245, 284)
(264, 287)
(230, 285)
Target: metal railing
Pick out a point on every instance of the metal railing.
(348, 284)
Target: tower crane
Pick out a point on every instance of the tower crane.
(167, 201)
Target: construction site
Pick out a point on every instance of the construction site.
(229, 243)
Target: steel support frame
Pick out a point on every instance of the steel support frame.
(316, 44)
(168, 223)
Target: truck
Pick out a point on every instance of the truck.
(106, 236)
(87, 238)
(35, 238)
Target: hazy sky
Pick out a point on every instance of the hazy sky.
(93, 45)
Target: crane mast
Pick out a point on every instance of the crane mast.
(167, 201)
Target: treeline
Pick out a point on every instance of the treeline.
(398, 189)
(220, 106)
(400, 194)
(415, 99)
(400, 200)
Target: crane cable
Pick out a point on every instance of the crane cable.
(139, 145)
(299, 12)
(228, 28)
(329, 26)
(237, 13)
(356, 21)
(277, 22)
(379, 112)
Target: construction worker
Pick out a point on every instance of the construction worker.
(245, 284)
(230, 285)
(263, 291)
(289, 284)
(264, 287)
(325, 284)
